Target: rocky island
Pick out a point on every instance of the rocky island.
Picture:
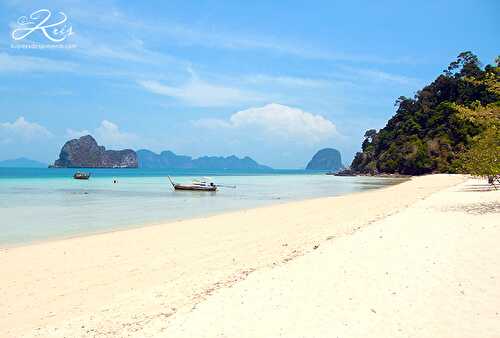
(84, 152)
(326, 159)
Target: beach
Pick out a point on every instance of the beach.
(416, 259)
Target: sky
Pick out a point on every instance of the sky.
(273, 80)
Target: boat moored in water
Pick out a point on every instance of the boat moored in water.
(81, 176)
(196, 185)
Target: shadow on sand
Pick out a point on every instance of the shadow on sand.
(480, 187)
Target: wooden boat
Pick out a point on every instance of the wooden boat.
(81, 176)
(202, 185)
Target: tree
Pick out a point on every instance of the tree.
(466, 64)
(399, 100)
(483, 157)
(369, 134)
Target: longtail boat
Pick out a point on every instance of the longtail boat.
(196, 185)
(81, 176)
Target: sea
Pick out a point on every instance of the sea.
(38, 204)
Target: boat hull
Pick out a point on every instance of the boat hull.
(81, 176)
(194, 188)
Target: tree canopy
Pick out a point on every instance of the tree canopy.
(457, 114)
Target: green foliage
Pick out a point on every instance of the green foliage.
(446, 119)
(466, 63)
(483, 157)
(369, 134)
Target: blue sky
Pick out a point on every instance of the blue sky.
(273, 80)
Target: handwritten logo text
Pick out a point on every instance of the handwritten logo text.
(40, 20)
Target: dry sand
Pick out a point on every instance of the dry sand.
(419, 259)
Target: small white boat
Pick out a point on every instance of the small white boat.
(197, 185)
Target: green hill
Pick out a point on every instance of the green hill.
(430, 132)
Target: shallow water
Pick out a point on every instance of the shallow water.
(40, 204)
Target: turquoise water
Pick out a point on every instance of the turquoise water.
(40, 204)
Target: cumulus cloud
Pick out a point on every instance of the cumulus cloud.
(22, 129)
(278, 121)
(109, 134)
(72, 133)
(197, 92)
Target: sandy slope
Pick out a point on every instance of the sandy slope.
(145, 282)
(431, 270)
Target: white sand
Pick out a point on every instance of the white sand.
(432, 270)
(255, 273)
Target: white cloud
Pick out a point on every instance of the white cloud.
(110, 134)
(128, 50)
(71, 133)
(22, 129)
(11, 63)
(288, 81)
(208, 37)
(384, 76)
(378, 76)
(197, 92)
(108, 17)
(278, 121)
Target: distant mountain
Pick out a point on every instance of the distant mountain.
(86, 153)
(22, 162)
(167, 159)
(326, 159)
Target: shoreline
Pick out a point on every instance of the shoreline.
(165, 222)
(428, 270)
(151, 275)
